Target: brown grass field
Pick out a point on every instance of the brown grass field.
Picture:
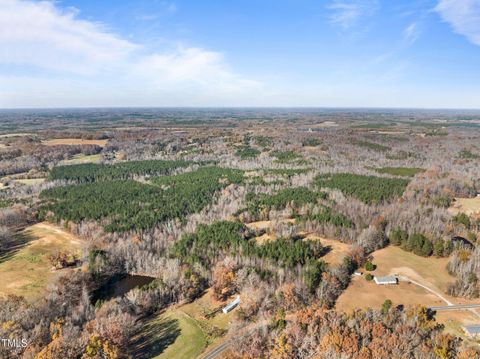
(337, 249)
(431, 272)
(74, 141)
(469, 206)
(81, 158)
(25, 270)
(259, 225)
(363, 294)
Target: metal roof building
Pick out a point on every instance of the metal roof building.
(232, 305)
(472, 330)
(390, 279)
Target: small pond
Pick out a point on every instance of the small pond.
(119, 286)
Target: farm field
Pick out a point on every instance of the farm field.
(74, 141)
(26, 270)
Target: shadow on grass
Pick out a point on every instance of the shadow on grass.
(154, 337)
(20, 241)
(325, 250)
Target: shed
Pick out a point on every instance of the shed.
(391, 279)
(472, 330)
(231, 305)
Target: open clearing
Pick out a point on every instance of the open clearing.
(74, 141)
(431, 272)
(183, 332)
(469, 206)
(266, 225)
(170, 335)
(20, 134)
(25, 269)
(364, 294)
(337, 249)
(30, 181)
(81, 158)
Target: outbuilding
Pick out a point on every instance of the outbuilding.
(232, 305)
(472, 330)
(386, 280)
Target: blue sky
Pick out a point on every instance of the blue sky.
(332, 53)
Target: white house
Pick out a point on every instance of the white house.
(390, 279)
(232, 305)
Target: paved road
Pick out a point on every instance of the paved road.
(216, 351)
(456, 307)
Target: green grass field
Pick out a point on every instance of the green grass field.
(170, 335)
(25, 269)
(183, 332)
(399, 171)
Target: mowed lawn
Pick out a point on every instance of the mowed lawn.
(25, 270)
(431, 272)
(170, 335)
(182, 332)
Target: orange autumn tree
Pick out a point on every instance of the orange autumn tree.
(223, 282)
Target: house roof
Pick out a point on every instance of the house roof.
(472, 329)
(232, 304)
(386, 279)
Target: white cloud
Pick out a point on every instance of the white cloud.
(411, 33)
(40, 35)
(85, 60)
(346, 13)
(463, 16)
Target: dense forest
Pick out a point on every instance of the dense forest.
(294, 212)
(369, 189)
(128, 204)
